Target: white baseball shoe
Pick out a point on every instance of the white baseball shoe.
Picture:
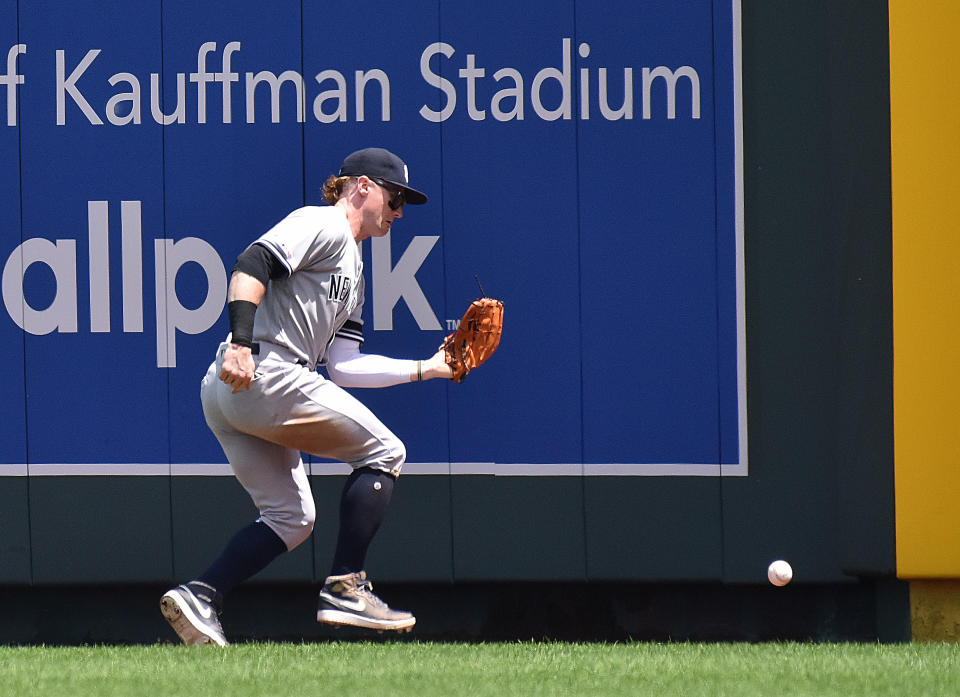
(349, 600)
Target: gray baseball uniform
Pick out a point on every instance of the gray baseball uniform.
(290, 407)
(295, 303)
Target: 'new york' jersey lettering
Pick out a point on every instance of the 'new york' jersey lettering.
(339, 290)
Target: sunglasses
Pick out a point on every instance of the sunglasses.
(398, 199)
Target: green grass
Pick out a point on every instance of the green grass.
(425, 670)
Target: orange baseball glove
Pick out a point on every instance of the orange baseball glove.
(476, 338)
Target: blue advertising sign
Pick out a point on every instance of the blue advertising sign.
(582, 165)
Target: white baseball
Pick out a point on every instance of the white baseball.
(779, 572)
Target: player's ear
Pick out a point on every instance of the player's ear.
(364, 184)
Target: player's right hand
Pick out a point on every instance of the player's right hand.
(237, 367)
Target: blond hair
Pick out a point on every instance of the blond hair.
(333, 188)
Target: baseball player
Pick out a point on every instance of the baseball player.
(295, 301)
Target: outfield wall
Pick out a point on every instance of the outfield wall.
(715, 392)
(924, 150)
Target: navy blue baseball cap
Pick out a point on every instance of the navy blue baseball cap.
(382, 164)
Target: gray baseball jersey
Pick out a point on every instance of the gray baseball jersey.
(324, 290)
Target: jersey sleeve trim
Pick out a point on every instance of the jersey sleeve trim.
(277, 252)
(352, 330)
(261, 263)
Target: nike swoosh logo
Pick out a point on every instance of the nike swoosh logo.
(205, 612)
(355, 605)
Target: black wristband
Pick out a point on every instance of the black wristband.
(241, 323)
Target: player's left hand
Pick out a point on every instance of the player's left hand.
(436, 366)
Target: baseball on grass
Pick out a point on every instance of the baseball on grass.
(779, 572)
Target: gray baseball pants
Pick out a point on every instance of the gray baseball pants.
(290, 409)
